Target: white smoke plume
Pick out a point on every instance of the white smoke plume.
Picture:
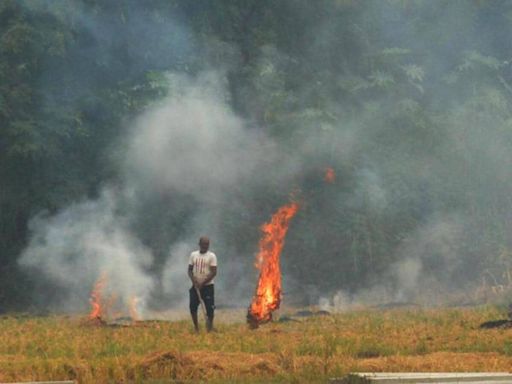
(190, 146)
(428, 259)
(407, 188)
(192, 143)
(74, 247)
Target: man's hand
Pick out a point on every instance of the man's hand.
(196, 283)
(192, 277)
(211, 275)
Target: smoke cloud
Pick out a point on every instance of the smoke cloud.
(190, 147)
(418, 139)
(73, 248)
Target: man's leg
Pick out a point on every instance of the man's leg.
(208, 295)
(194, 304)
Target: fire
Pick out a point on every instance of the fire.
(268, 291)
(96, 298)
(107, 306)
(330, 176)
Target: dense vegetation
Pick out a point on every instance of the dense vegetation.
(408, 101)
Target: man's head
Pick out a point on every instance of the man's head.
(204, 244)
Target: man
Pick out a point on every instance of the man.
(202, 268)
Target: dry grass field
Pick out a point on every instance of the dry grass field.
(308, 349)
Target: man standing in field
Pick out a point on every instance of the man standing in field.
(202, 268)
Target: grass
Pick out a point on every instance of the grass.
(310, 350)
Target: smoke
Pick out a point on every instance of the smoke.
(429, 264)
(173, 276)
(73, 248)
(421, 196)
(190, 148)
(412, 119)
(193, 144)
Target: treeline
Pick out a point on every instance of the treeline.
(408, 101)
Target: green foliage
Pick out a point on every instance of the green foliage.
(404, 99)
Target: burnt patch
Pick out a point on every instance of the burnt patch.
(500, 324)
(307, 313)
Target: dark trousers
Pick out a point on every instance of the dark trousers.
(208, 296)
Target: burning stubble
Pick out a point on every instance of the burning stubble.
(86, 243)
(191, 165)
(96, 299)
(189, 152)
(267, 297)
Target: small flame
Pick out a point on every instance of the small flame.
(96, 298)
(330, 175)
(268, 291)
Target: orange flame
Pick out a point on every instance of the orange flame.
(96, 299)
(268, 291)
(330, 176)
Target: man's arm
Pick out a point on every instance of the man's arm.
(211, 275)
(191, 275)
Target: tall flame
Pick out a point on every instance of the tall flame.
(96, 298)
(330, 176)
(268, 291)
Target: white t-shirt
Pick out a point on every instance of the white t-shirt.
(202, 263)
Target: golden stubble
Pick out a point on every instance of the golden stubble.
(307, 349)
